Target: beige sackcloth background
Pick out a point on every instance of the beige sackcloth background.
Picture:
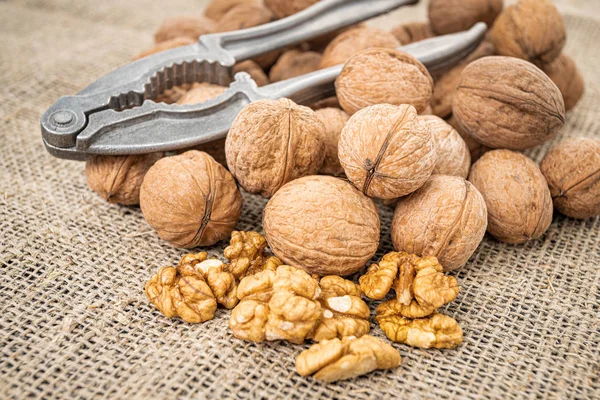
(74, 322)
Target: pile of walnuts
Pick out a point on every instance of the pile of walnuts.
(443, 149)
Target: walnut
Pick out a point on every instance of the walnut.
(334, 121)
(192, 290)
(450, 16)
(192, 27)
(445, 85)
(572, 169)
(326, 103)
(254, 70)
(335, 359)
(566, 76)
(323, 225)
(475, 148)
(420, 284)
(293, 63)
(387, 151)
(215, 149)
(453, 156)
(272, 142)
(405, 80)
(246, 254)
(173, 95)
(217, 8)
(244, 16)
(353, 41)
(167, 45)
(190, 200)
(530, 29)
(412, 32)
(436, 331)
(446, 218)
(516, 193)
(266, 60)
(509, 103)
(343, 312)
(276, 304)
(285, 8)
(117, 179)
(201, 92)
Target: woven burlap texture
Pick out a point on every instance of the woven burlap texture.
(74, 322)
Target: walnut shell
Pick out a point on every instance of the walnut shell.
(401, 79)
(190, 200)
(476, 149)
(326, 103)
(201, 92)
(293, 63)
(117, 179)
(285, 8)
(323, 225)
(450, 16)
(566, 76)
(166, 45)
(572, 170)
(453, 156)
(254, 70)
(387, 151)
(192, 27)
(334, 121)
(354, 40)
(504, 102)
(446, 218)
(516, 194)
(530, 29)
(244, 16)
(272, 142)
(413, 32)
(217, 8)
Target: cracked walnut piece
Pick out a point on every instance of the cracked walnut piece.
(436, 331)
(192, 290)
(246, 254)
(420, 284)
(335, 359)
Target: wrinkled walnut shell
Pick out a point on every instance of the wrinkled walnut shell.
(293, 63)
(192, 27)
(285, 8)
(387, 151)
(532, 30)
(272, 142)
(401, 79)
(323, 225)
(190, 200)
(566, 76)
(117, 179)
(572, 170)
(353, 41)
(201, 92)
(446, 218)
(254, 70)
(217, 8)
(413, 32)
(244, 16)
(334, 121)
(453, 156)
(516, 194)
(475, 148)
(166, 45)
(450, 16)
(505, 102)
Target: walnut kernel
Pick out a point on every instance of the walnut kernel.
(247, 256)
(334, 121)
(453, 156)
(450, 16)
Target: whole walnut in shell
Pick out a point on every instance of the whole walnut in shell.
(201, 92)
(244, 16)
(190, 200)
(572, 170)
(413, 32)
(353, 41)
(217, 8)
(334, 121)
(192, 27)
(476, 149)
(530, 29)
(272, 142)
(516, 194)
(254, 70)
(450, 16)
(293, 63)
(285, 8)
(401, 79)
(387, 151)
(504, 102)
(166, 45)
(323, 225)
(453, 156)
(566, 76)
(446, 218)
(117, 179)
(326, 103)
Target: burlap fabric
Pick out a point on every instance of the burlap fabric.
(74, 322)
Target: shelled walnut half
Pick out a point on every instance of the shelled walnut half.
(193, 289)
(247, 256)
